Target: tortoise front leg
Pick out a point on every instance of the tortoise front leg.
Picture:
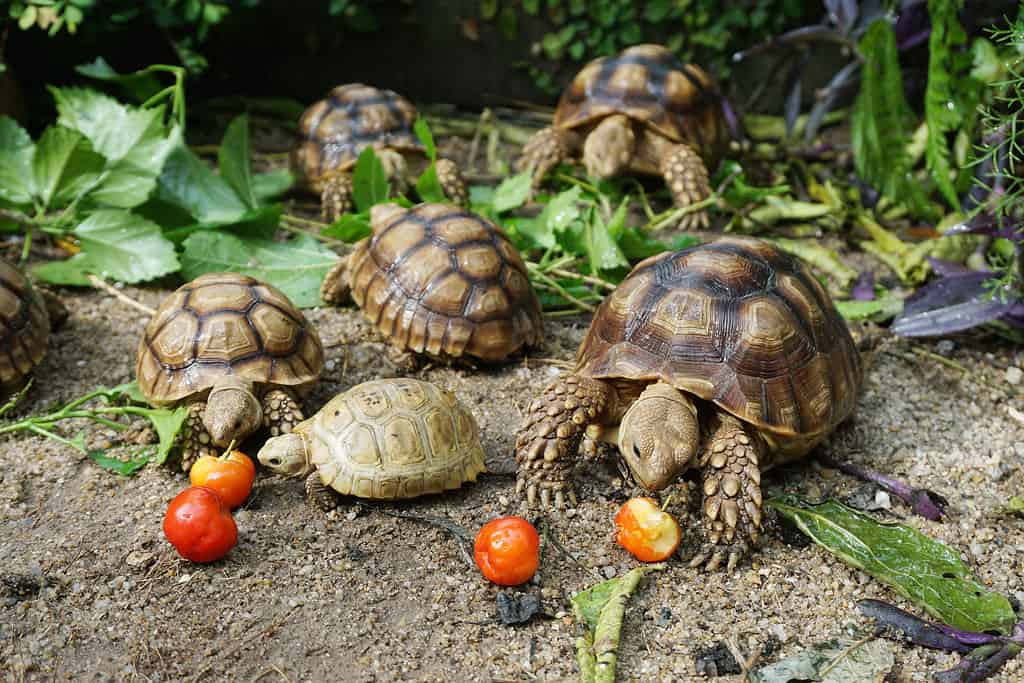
(687, 180)
(336, 196)
(320, 496)
(548, 442)
(546, 149)
(449, 177)
(281, 412)
(197, 442)
(731, 469)
(335, 288)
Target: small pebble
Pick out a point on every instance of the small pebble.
(1014, 375)
(883, 501)
(779, 631)
(945, 348)
(608, 571)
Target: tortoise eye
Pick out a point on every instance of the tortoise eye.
(636, 450)
(274, 462)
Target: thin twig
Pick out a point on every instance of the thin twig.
(294, 229)
(843, 654)
(100, 283)
(589, 279)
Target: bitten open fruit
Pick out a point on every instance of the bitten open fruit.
(649, 533)
(507, 551)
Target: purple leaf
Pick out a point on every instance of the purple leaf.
(792, 108)
(981, 664)
(944, 268)
(864, 288)
(949, 304)
(922, 502)
(913, 629)
(987, 224)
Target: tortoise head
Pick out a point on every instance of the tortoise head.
(659, 436)
(609, 148)
(232, 411)
(286, 455)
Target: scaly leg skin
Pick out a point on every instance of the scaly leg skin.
(335, 288)
(452, 183)
(687, 179)
(320, 496)
(281, 412)
(336, 196)
(404, 359)
(732, 494)
(197, 441)
(548, 442)
(546, 149)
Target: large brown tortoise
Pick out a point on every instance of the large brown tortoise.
(640, 111)
(236, 351)
(335, 130)
(441, 281)
(728, 357)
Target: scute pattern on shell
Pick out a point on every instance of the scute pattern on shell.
(394, 438)
(225, 324)
(24, 325)
(649, 84)
(442, 280)
(737, 322)
(335, 130)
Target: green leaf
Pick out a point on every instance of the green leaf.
(189, 183)
(513, 192)
(125, 468)
(129, 390)
(923, 570)
(879, 125)
(602, 251)
(637, 245)
(939, 98)
(878, 310)
(16, 152)
(1015, 506)
(369, 182)
(82, 173)
(234, 161)
(558, 213)
(296, 267)
(168, 424)
(422, 131)
(115, 244)
(601, 609)
(272, 184)
(139, 85)
(819, 257)
(840, 660)
(351, 227)
(428, 187)
(53, 152)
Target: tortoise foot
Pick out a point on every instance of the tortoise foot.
(197, 442)
(549, 493)
(449, 177)
(546, 149)
(711, 556)
(335, 287)
(336, 197)
(281, 412)
(687, 180)
(320, 496)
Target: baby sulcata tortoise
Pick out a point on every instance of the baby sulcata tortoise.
(26, 314)
(640, 111)
(234, 349)
(385, 439)
(728, 357)
(334, 131)
(440, 280)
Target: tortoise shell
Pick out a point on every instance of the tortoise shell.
(737, 322)
(648, 84)
(24, 326)
(444, 281)
(393, 438)
(335, 130)
(225, 324)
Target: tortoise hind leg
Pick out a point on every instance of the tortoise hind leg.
(335, 287)
(731, 472)
(548, 442)
(687, 179)
(197, 441)
(449, 177)
(319, 495)
(281, 412)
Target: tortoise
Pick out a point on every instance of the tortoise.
(335, 130)
(236, 351)
(26, 317)
(384, 439)
(639, 111)
(727, 357)
(441, 281)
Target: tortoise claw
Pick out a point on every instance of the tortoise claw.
(713, 556)
(545, 498)
(531, 495)
(697, 560)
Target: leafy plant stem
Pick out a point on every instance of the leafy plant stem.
(559, 289)
(589, 279)
(296, 230)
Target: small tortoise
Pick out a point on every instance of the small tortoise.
(640, 111)
(384, 439)
(334, 131)
(236, 351)
(727, 357)
(25, 320)
(442, 281)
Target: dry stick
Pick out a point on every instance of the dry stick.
(100, 283)
(474, 145)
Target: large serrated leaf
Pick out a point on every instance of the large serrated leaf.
(189, 183)
(233, 158)
(512, 192)
(369, 181)
(54, 150)
(924, 570)
(16, 151)
(296, 267)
